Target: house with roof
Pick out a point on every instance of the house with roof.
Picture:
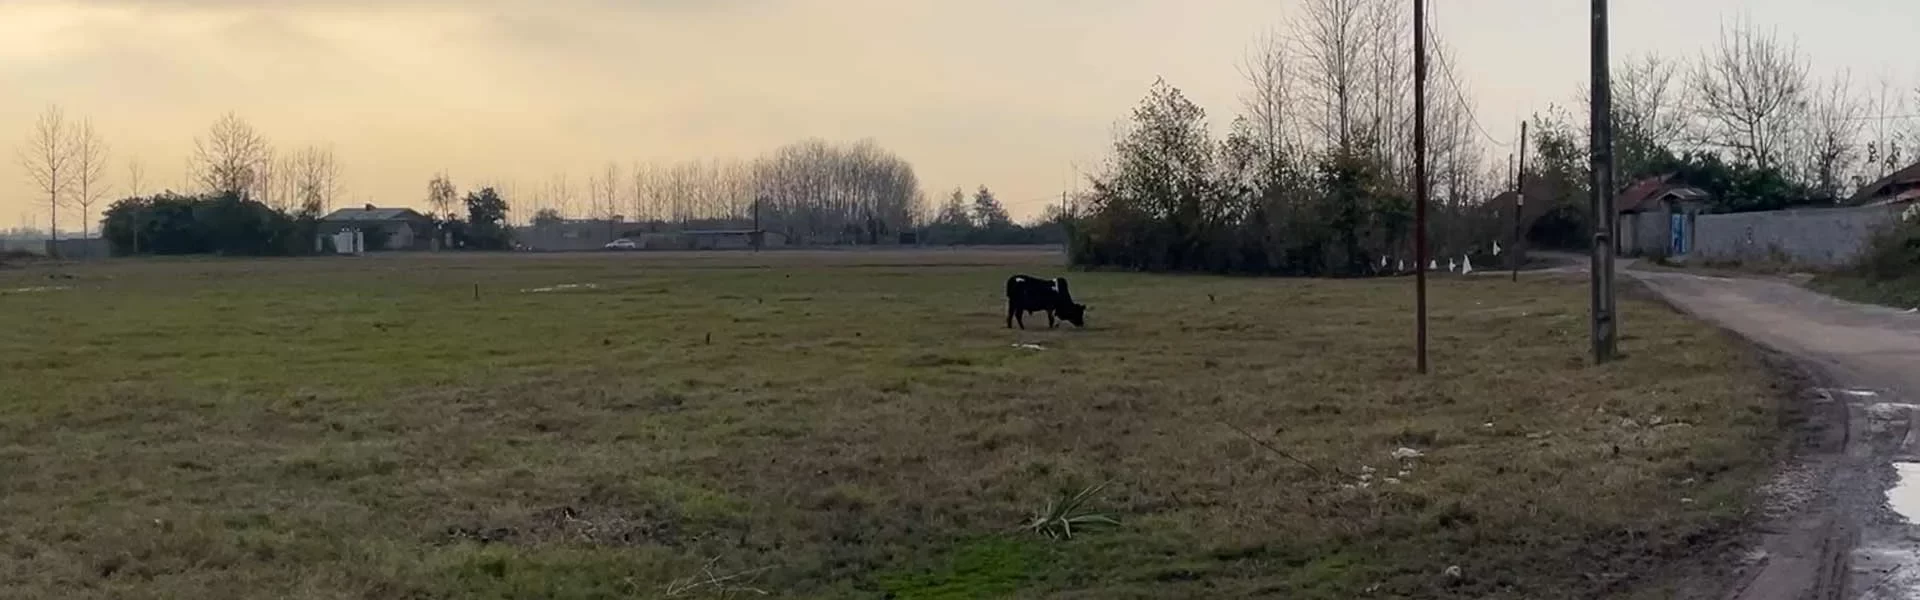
(1899, 187)
(380, 228)
(1656, 217)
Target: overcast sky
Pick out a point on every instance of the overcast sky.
(1009, 93)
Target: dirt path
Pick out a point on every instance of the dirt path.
(1835, 535)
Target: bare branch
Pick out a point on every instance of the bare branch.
(48, 158)
(136, 177)
(90, 172)
(1749, 93)
(230, 157)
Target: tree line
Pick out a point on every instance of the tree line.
(982, 220)
(811, 191)
(67, 161)
(1315, 177)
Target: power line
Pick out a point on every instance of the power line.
(1447, 69)
(1884, 117)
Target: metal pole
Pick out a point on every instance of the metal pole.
(1604, 325)
(1420, 181)
(1519, 205)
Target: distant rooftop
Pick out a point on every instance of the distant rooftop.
(373, 214)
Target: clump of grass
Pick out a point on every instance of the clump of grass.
(1063, 514)
(1888, 274)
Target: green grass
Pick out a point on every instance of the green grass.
(1902, 293)
(843, 424)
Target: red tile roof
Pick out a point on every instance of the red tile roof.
(1885, 188)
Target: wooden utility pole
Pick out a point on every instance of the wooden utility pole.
(1420, 182)
(1605, 327)
(1519, 205)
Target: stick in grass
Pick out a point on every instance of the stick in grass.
(1270, 447)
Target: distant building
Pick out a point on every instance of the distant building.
(1900, 186)
(1656, 217)
(382, 228)
(571, 234)
(711, 239)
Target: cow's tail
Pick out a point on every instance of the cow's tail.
(1062, 284)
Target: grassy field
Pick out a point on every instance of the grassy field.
(843, 424)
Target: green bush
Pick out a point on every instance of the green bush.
(1895, 253)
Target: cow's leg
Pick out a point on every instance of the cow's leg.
(1051, 324)
(1020, 316)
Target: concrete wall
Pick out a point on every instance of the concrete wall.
(571, 236)
(1817, 238)
(29, 246)
(1647, 233)
(80, 249)
(685, 241)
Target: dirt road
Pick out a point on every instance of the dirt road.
(1840, 531)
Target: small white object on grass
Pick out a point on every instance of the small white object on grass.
(1403, 268)
(1452, 267)
(1407, 453)
(1434, 266)
(1496, 248)
(1030, 346)
(1453, 571)
(1466, 265)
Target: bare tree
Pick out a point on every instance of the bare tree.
(89, 173)
(642, 192)
(1331, 42)
(1885, 136)
(1833, 131)
(1750, 93)
(266, 181)
(229, 158)
(605, 190)
(136, 177)
(49, 158)
(315, 179)
(1646, 100)
(1269, 100)
(559, 195)
(1387, 81)
(441, 196)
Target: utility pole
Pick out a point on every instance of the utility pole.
(1519, 205)
(759, 237)
(1605, 327)
(1420, 182)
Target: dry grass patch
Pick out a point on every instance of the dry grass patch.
(852, 425)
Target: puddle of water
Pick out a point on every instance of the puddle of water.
(1904, 497)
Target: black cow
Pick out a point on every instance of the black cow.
(1029, 294)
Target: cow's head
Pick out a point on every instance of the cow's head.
(1073, 313)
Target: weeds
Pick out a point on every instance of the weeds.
(711, 582)
(1067, 512)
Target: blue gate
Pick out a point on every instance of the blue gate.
(1679, 229)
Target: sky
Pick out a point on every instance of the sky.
(1013, 94)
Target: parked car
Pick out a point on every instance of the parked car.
(622, 244)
